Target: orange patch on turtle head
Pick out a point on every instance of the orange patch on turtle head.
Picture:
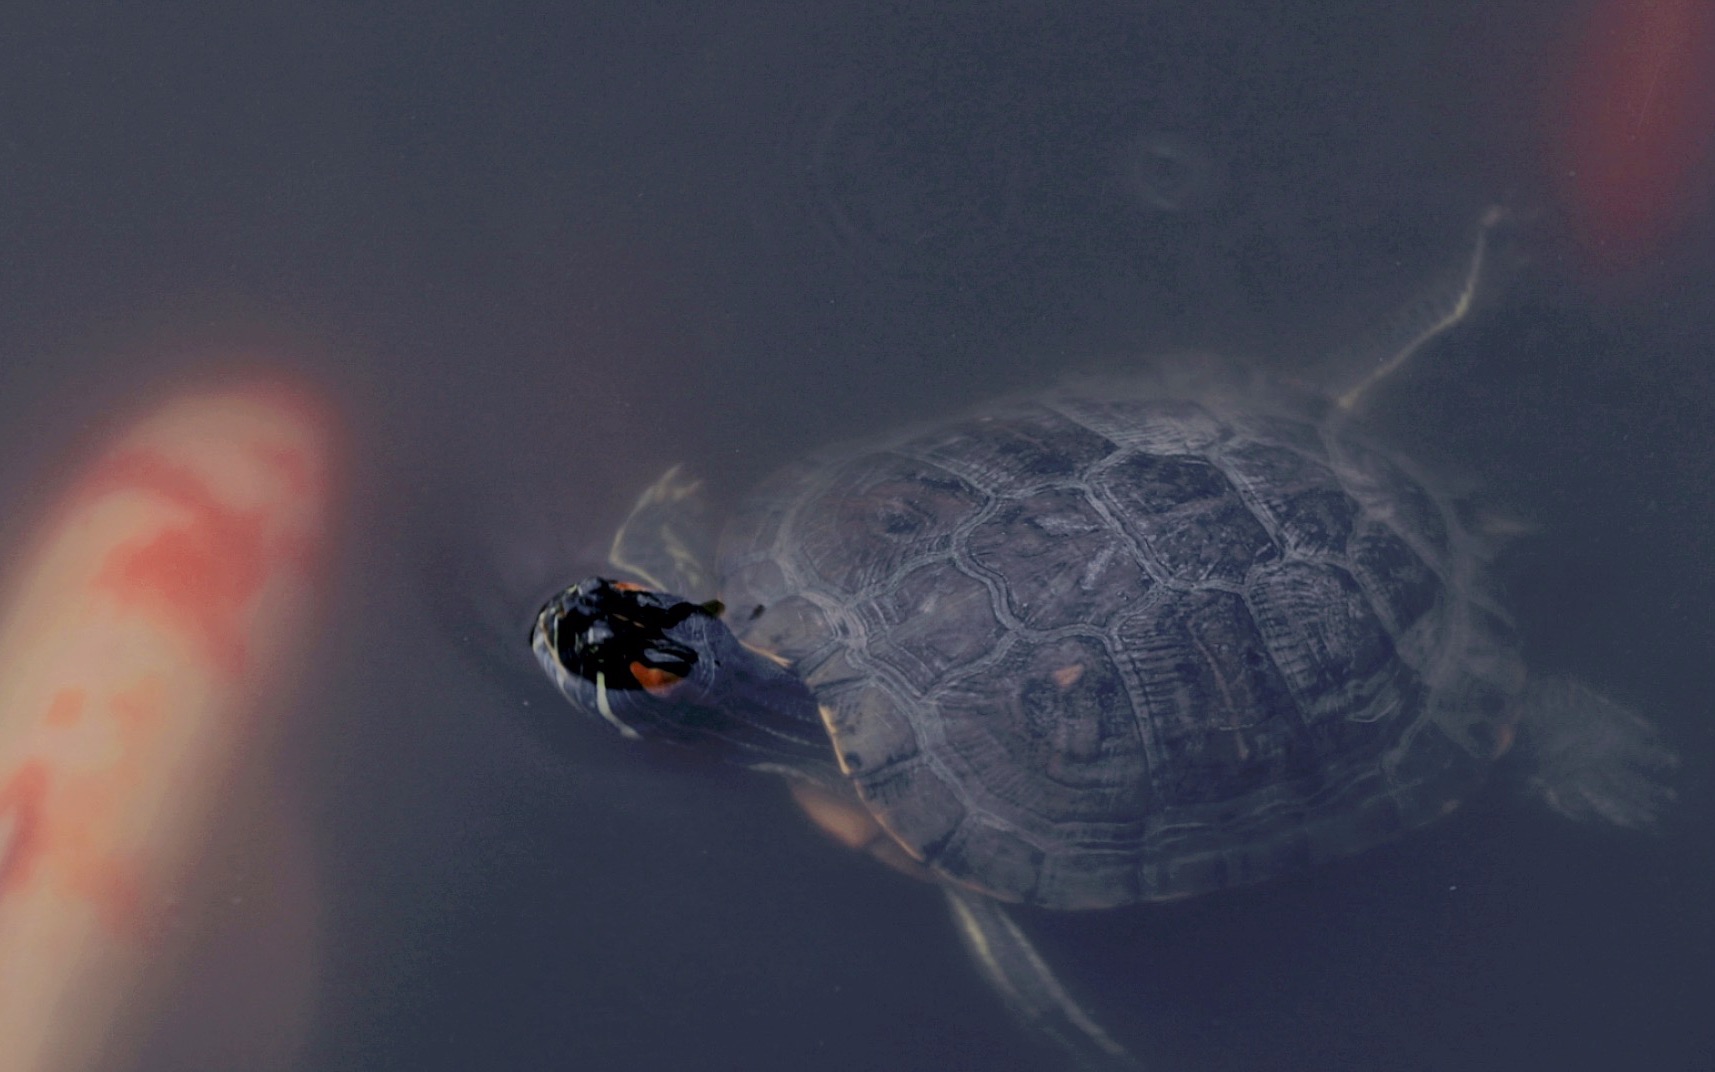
(656, 681)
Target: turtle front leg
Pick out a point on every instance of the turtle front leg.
(1012, 966)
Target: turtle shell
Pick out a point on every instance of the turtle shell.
(1097, 648)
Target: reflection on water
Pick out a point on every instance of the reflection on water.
(542, 254)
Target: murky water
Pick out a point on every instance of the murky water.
(540, 252)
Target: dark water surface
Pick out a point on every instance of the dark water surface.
(541, 251)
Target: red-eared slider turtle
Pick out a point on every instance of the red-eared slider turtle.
(1105, 645)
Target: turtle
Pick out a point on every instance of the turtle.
(1114, 642)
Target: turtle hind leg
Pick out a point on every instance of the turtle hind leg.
(1592, 758)
(1012, 966)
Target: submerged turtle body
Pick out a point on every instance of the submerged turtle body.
(1112, 646)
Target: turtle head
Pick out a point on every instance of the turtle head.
(625, 653)
(654, 665)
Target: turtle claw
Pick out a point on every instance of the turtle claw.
(663, 543)
(1595, 760)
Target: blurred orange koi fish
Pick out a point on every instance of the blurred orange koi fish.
(1636, 129)
(147, 636)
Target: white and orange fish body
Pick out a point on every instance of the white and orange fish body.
(148, 636)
